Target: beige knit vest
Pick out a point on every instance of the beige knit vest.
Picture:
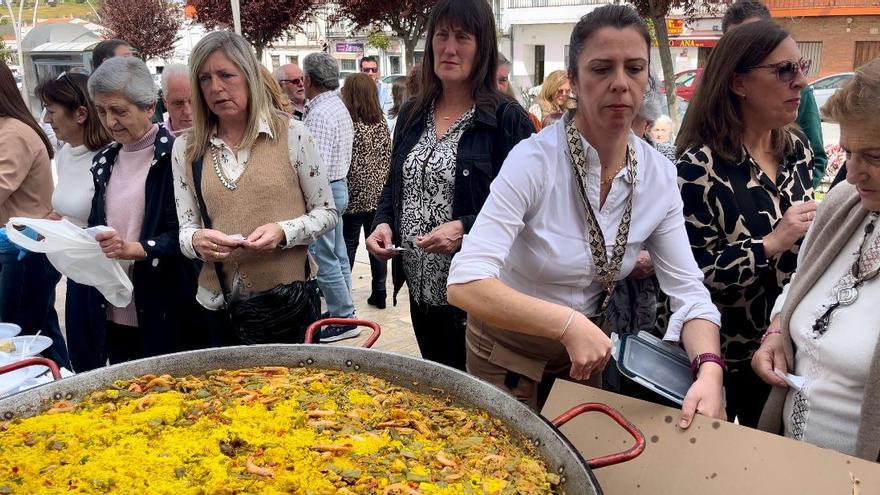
(268, 191)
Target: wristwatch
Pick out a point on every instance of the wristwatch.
(708, 357)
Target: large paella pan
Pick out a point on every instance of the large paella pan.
(286, 419)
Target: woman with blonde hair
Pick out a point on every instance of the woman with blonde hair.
(553, 97)
(825, 325)
(370, 160)
(239, 158)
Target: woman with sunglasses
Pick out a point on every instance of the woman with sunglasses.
(745, 178)
(73, 118)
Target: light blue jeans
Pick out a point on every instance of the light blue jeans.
(334, 272)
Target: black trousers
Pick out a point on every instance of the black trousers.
(123, 343)
(440, 332)
(746, 394)
(351, 227)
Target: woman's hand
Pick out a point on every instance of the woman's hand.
(588, 347)
(704, 396)
(54, 216)
(644, 266)
(769, 356)
(444, 239)
(794, 225)
(265, 238)
(379, 243)
(213, 245)
(114, 247)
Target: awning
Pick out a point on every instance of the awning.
(64, 47)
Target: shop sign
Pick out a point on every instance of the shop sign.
(349, 47)
(674, 26)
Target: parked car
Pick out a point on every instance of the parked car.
(826, 86)
(685, 83)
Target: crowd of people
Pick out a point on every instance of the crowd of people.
(525, 235)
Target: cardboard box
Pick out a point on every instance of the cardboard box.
(710, 458)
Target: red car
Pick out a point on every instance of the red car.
(685, 83)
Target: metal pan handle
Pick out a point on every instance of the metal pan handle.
(376, 329)
(608, 460)
(36, 361)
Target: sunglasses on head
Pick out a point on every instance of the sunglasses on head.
(370, 69)
(79, 97)
(787, 70)
(298, 81)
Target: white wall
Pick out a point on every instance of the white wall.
(554, 37)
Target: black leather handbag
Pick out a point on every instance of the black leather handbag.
(278, 315)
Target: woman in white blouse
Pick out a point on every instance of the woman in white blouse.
(74, 120)
(527, 274)
(251, 157)
(825, 327)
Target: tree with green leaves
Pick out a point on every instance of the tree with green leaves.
(149, 26)
(407, 19)
(656, 11)
(262, 21)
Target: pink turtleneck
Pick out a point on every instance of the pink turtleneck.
(126, 198)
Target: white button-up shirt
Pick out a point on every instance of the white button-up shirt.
(330, 123)
(532, 234)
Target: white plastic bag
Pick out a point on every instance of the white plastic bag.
(75, 253)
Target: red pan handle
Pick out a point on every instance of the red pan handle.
(608, 460)
(36, 361)
(377, 330)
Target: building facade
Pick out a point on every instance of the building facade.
(837, 35)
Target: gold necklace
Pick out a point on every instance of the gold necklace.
(602, 182)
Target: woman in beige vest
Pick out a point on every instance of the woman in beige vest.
(263, 185)
(825, 325)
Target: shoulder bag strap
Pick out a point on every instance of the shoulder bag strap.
(197, 166)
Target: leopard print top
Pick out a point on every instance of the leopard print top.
(370, 161)
(743, 282)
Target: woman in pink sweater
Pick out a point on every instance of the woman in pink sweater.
(134, 196)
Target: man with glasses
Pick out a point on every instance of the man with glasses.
(370, 66)
(746, 11)
(290, 77)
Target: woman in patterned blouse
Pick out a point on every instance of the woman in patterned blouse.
(370, 154)
(449, 144)
(745, 179)
(250, 155)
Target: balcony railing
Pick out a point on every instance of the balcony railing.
(800, 4)
(524, 4)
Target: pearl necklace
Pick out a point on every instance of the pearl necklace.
(228, 184)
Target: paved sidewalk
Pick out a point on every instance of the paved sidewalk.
(397, 333)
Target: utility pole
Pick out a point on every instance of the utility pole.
(16, 27)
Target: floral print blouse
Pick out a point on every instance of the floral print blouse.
(320, 215)
(428, 189)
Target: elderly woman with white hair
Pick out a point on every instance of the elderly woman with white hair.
(252, 194)
(134, 197)
(649, 113)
